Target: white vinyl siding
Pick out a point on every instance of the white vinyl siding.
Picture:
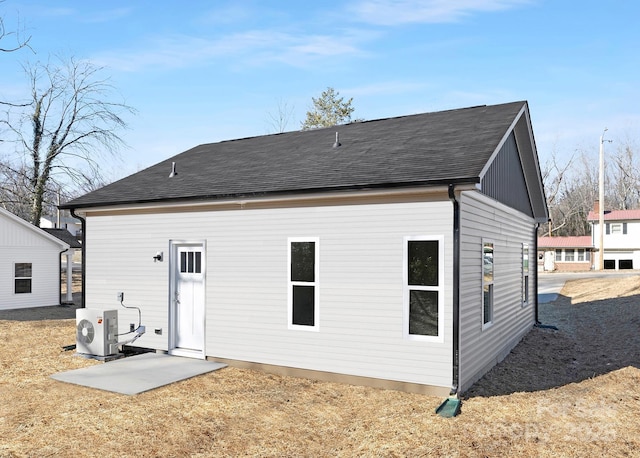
(361, 293)
(23, 244)
(482, 219)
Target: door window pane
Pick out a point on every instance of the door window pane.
(183, 261)
(191, 262)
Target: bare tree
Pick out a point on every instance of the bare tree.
(280, 119)
(69, 125)
(624, 179)
(18, 40)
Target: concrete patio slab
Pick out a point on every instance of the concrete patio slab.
(137, 374)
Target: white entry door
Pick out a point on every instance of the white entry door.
(187, 299)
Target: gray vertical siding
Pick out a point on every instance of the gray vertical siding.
(484, 218)
(505, 181)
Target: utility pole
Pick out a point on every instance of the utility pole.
(601, 202)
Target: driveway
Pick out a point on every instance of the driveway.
(551, 283)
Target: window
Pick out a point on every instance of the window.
(303, 284)
(22, 277)
(625, 264)
(580, 254)
(558, 255)
(423, 288)
(525, 274)
(487, 284)
(569, 255)
(616, 228)
(191, 262)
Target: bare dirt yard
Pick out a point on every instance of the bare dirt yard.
(571, 392)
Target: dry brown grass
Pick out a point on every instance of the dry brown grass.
(571, 392)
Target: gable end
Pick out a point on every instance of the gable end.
(504, 179)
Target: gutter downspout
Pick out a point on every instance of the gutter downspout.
(83, 223)
(535, 282)
(60, 304)
(456, 291)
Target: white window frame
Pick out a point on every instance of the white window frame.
(525, 274)
(315, 284)
(569, 254)
(439, 288)
(486, 324)
(16, 278)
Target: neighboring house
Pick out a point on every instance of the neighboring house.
(74, 252)
(565, 254)
(72, 225)
(29, 264)
(392, 253)
(621, 240)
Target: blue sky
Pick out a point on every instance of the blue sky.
(205, 71)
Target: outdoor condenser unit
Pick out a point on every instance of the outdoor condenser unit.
(97, 332)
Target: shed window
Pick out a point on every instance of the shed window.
(423, 272)
(487, 283)
(558, 255)
(22, 277)
(303, 283)
(569, 255)
(580, 254)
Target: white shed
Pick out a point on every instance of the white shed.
(29, 265)
(393, 253)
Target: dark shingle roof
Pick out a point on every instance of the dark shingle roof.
(430, 149)
(65, 236)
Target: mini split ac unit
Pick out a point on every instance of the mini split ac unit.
(97, 332)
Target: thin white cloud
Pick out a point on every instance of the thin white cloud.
(387, 88)
(107, 15)
(258, 47)
(398, 12)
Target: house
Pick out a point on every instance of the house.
(72, 225)
(392, 253)
(621, 238)
(29, 265)
(565, 254)
(74, 253)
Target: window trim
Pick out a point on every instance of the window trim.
(569, 255)
(16, 278)
(489, 323)
(407, 288)
(525, 274)
(315, 284)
